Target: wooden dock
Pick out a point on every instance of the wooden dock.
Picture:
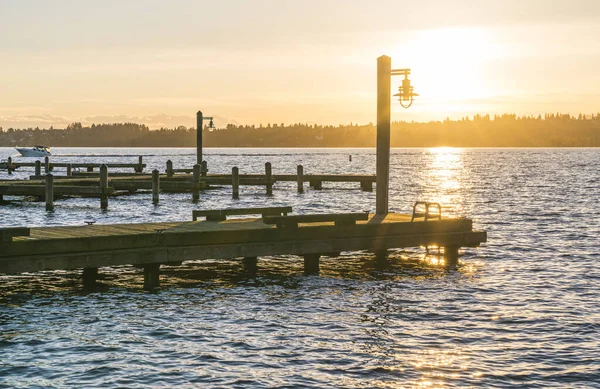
(10, 165)
(151, 244)
(103, 184)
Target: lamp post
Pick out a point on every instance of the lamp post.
(384, 81)
(199, 126)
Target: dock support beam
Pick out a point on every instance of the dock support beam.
(250, 265)
(235, 182)
(384, 80)
(196, 184)
(269, 174)
(151, 276)
(311, 264)
(155, 186)
(199, 120)
(38, 168)
(300, 178)
(169, 168)
(49, 192)
(89, 277)
(451, 255)
(103, 186)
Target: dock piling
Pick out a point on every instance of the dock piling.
(269, 175)
(235, 182)
(69, 170)
(89, 276)
(204, 168)
(199, 119)
(300, 178)
(169, 168)
(140, 166)
(38, 168)
(151, 276)
(311, 264)
(49, 192)
(196, 184)
(250, 265)
(155, 186)
(451, 256)
(9, 165)
(381, 258)
(46, 165)
(104, 186)
(366, 186)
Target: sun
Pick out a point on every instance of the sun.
(448, 65)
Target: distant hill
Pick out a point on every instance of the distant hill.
(551, 130)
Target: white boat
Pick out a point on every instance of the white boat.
(36, 151)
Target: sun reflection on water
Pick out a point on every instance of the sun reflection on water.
(444, 179)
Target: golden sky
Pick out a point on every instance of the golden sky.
(262, 61)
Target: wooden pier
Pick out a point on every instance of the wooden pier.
(149, 245)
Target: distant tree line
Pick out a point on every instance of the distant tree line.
(508, 130)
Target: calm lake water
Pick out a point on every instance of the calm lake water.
(521, 311)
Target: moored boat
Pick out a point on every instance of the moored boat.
(36, 151)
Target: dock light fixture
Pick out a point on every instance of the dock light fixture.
(405, 91)
(211, 124)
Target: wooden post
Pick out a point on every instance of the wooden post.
(103, 186)
(204, 169)
(9, 165)
(151, 275)
(69, 170)
(199, 120)
(49, 192)
(46, 165)
(38, 168)
(89, 276)
(140, 168)
(311, 264)
(384, 69)
(300, 178)
(196, 184)
(235, 182)
(169, 168)
(250, 265)
(451, 255)
(269, 175)
(155, 186)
